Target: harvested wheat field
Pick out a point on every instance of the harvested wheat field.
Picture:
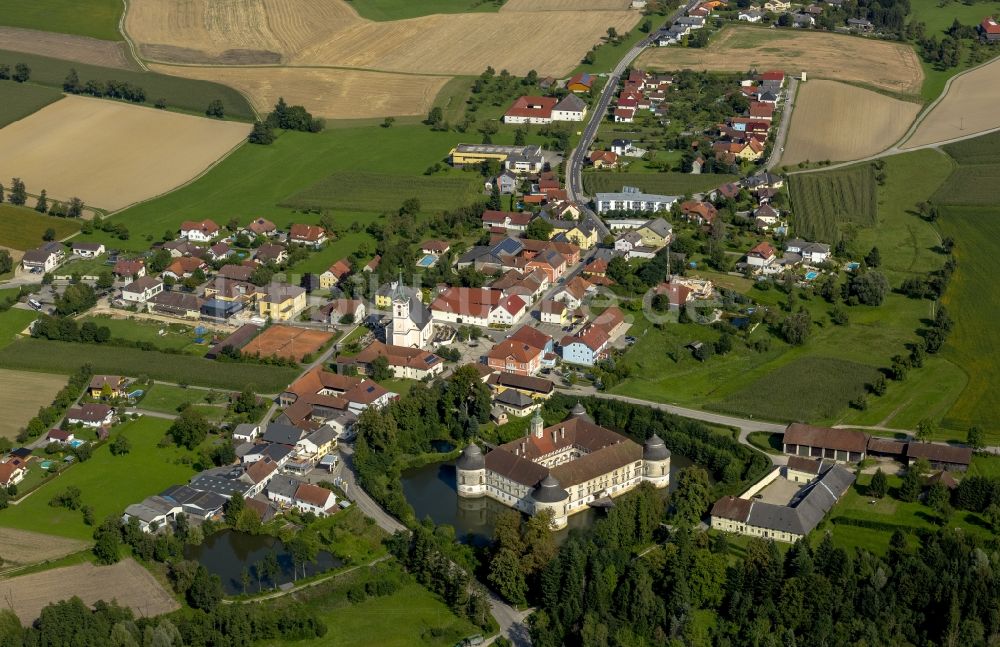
(565, 5)
(19, 547)
(330, 33)
(71, 48)
(112, 154)
(127, 582)
(287, 342)
(969, 107)
(22, 394)
(332, 93)
(881, 64)
(839, 122)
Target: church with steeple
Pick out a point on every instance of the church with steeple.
(565, 467)
(411, 320)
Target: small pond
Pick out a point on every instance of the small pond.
(431, 491)
(227, 552)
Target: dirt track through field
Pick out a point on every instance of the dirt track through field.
(71, 48)
(24, 547)
(22, 393)
(331, 93)
(881, 64)
(839, 122)
(111, 154)
(330, 33)
(127, 582)
(970, 106)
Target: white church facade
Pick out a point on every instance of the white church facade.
(411, 320)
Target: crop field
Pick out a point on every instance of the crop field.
(22, 228)
(825, 202)
(146, 470)
(662, 183)
(973, 298)
(979, 150)
(187, 95)
(287, 342)
(65, 357)
(970, 186)
(93, 18)
(58, 147)
(839, 122)
(71, 48)
(22, 547)
(969, 107)
(889, 66)
(22, 394)
(325, 92)
(806, 389)
(21, 100)
(565, 5)
(401, 9)
(331, 33)
(127, 582)
(378, 192)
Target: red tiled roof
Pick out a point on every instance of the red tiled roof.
(307, 233)
(313, 494)
(842, 439)
(129, 267)
(205, 226)
(764, 250)
(539, 107)
(499, 217)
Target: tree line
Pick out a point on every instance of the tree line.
(111, 88)
(48, 416)
(284, 117)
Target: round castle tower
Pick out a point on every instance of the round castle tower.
(470, 472)
(656, 462)
(550, 495)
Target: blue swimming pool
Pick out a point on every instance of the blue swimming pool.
(46, 465)
(76, 442)
(427, 260)
(810, 275)
(853, 266)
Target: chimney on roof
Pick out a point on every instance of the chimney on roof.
(555, 437)
(562, 432)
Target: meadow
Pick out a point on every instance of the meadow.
(167, 398)
(662, 183)
(186, 95)
(176, 336)
(385, 10)
(107, 483)
(978, 150)
(826, 203)
(360, 191)
(12, 322)
(21, 99)
(65, 357)
(22, 227)
(93, 18)
(972, 185)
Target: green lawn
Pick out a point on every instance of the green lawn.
(347, 243)
(85, 267)
(765, 441)
(662, 183)
(187, 95)
(985, 466)
(167, 398)
(22, 228)
(12, 322)
(827, 203)
(23, 99)
(65, 357)
(176, 336)
(93, 18)
(607, 55)
(383, 10)
(107, 483)
(379, 192)
(254, 180)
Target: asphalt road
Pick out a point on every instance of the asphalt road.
(786, 120)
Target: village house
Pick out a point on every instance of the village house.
(630, 245)
(521, 353)
(309, 235)
(184, 267)
(700, 212)
(581, 82)
(88, 250)
(517, 159)
(129, 269)
(677, 295)
(12, 472)
(282, 302)
(404, 362)
(514, 403)
(261, 227)
(199, 232)
(334, 274)
(43, 259)
(271, 253)
(142, 290)
(506, 220)
(840, 445)
(989, 30)
(219, 251)
(603, 159)
(111, 386)
(569, 108)
(751, 16)
(175, 304)
(318, 396)
(656, 233)
(341, 311)
(527, 285)
(60, 436)
(506, 183)
(632, 199)
(435, 247)
(814, 253)
(530, 110)
(91, 415)
(574, 291)
(537, 388)
(553, 312)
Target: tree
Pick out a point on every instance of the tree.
(234, 508)
(796, 328)
(18, 193)
(75, 209)
(108, 536)
(992, 514)
(246, 401)
(6, 262)
(262, 134)
(216, 109)
(539, 229)
(507, 576)
(245, 579)
(693, 495)
(205, 592)
(869, 288)
(938, 496)
(42, 204)
(925, 429)
(49, 235)
(72, 82)
(873, 258)
(879, 485)
(910, 489)
(269, 568)
(785, 20)
(380, 369)
(120, 446)
(21, 73)
(388, 122)
(976, 439)
(189, 429)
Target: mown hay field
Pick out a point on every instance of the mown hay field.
(25, 547)
(663, 183)
(840, 122)
(564, 5)
(22, 394)
(881, 64)
(969, 107)
(65, 357)
(806, 389)
(825, 202)
(329, 32)
(127, 582)
(326, 92)
(379, 192)
(139, 152)
(65, 46)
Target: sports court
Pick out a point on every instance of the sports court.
(287, 342)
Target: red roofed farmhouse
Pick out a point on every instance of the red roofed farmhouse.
(530, 110)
